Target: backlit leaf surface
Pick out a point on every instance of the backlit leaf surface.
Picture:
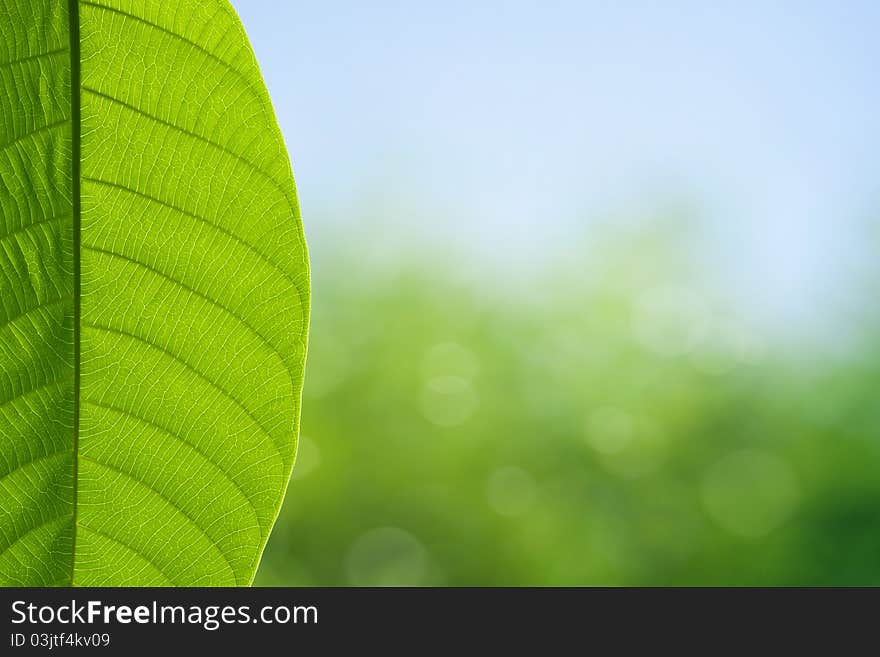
(153, 296)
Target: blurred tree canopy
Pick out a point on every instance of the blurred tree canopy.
(609, 424)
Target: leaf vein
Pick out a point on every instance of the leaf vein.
(172, 33)
(27, 58)
(39, 306)
(170, 502)
(39, 459)
(21, 536)
(41, 386)
(251, 165)
(201, 375)
(201, 295)
(119, 542)
(191, 445)
(253, 249)
(33, 224)
(31, 133)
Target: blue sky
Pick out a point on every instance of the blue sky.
(517, 123)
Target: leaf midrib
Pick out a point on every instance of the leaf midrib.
(76, 146)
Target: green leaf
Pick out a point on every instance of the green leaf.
(154, 295)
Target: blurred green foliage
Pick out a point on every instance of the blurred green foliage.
(608, 424)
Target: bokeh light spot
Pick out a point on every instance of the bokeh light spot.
(750, 493)
(670, 321)
(387, 556)
(609, 429)
(449, 359)
(308, 457)
(448, 401)
(511, 491)
(329, 366)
